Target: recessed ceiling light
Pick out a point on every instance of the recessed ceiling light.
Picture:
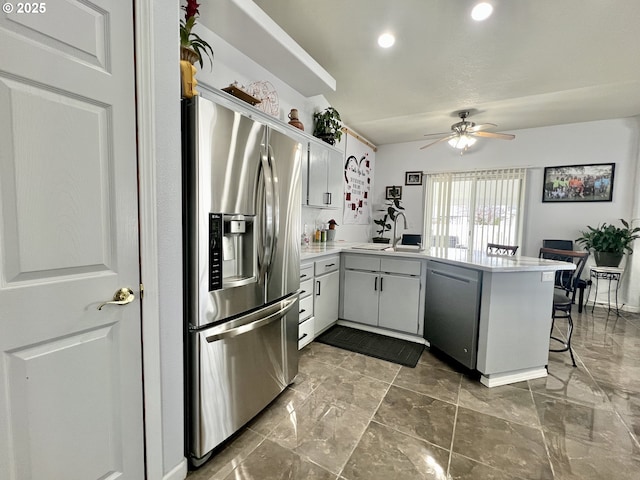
(386, 40)
(481, 11)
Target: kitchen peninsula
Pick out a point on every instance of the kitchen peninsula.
(509, 333)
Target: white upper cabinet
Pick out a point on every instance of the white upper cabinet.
(324, 176)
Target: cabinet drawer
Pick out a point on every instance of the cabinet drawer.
(327, 265)
(305, 332)
(306, 288)
(362, 262)
(406, 267)
(306, 271)
(306, 308)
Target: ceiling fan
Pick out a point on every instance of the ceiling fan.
(463, 133)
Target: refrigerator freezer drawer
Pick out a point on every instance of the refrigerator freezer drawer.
(238, 372)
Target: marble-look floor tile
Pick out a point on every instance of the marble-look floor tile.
(324, 433)
(627, 404)
(438, 359)
(436, 383)
(417, 415)
(505, 402)
(513, 448)
(385, 454)
(599, 428)
(270, 461)
(279, 409)
(312, 373)
(353, 389)
(225, 461)
(576, 459)
(324, 353)
(616, 371)
(371, 367)
(570, 383)
(462, 468)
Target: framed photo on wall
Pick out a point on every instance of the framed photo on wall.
(578, 183)
(394, 192)
(413, 178)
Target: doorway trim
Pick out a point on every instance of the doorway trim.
(146, 24)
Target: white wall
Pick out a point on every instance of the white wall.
(608, 141)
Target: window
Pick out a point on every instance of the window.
(467, 210)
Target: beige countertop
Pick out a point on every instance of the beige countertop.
(454, 256)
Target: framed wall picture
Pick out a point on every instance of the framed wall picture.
(413, 178)
(578, 183)
(394, 192)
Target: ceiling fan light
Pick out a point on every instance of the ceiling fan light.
(461, 142)
(386, 40)
(481, 11)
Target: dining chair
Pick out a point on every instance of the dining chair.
(582, 284)
(497, 249)
(564, 292)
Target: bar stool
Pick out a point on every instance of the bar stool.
(564, 290)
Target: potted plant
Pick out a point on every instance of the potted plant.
(609, 242)
(393, 208)
(327, 125)
(192, 47)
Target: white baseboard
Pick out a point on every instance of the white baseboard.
(384, 331)
(498, 379)
(179, 472)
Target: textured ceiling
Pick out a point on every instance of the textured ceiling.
(532, 63)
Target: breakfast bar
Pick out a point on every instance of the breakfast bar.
(500, 327)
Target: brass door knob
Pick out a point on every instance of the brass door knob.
(122, 296)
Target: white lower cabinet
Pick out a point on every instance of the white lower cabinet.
(383, 292)
(326, 293)
(305, 318)
(361, 297)
(398, 306)
(319, 297)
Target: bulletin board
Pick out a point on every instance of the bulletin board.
(358, 172)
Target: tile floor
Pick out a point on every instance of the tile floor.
(351, 417)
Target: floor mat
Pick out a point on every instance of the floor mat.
(375, 345)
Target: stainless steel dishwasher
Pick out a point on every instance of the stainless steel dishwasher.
(452, 310)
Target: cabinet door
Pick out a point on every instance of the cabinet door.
(317, 172)
(360, 303)
(399, 303)
(335, 179)
(326, 294)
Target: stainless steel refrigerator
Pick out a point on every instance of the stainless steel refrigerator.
(241, 193)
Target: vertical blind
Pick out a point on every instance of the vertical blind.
(467, 210)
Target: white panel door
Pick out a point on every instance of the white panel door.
(71, 376)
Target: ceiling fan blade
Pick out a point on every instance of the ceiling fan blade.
(438, 141)
(436, 134)
(480, 127)
(501, 136)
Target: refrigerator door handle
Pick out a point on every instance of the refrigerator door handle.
(253, 320)
(276, 200)
(268, 214)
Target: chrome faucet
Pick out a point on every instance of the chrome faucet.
(395, 224)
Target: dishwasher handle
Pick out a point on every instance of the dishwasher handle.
(452, 276)
(255, 320)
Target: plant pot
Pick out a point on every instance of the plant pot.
(607, 259)
(330, 139)
(380, 240)
(189, 55)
